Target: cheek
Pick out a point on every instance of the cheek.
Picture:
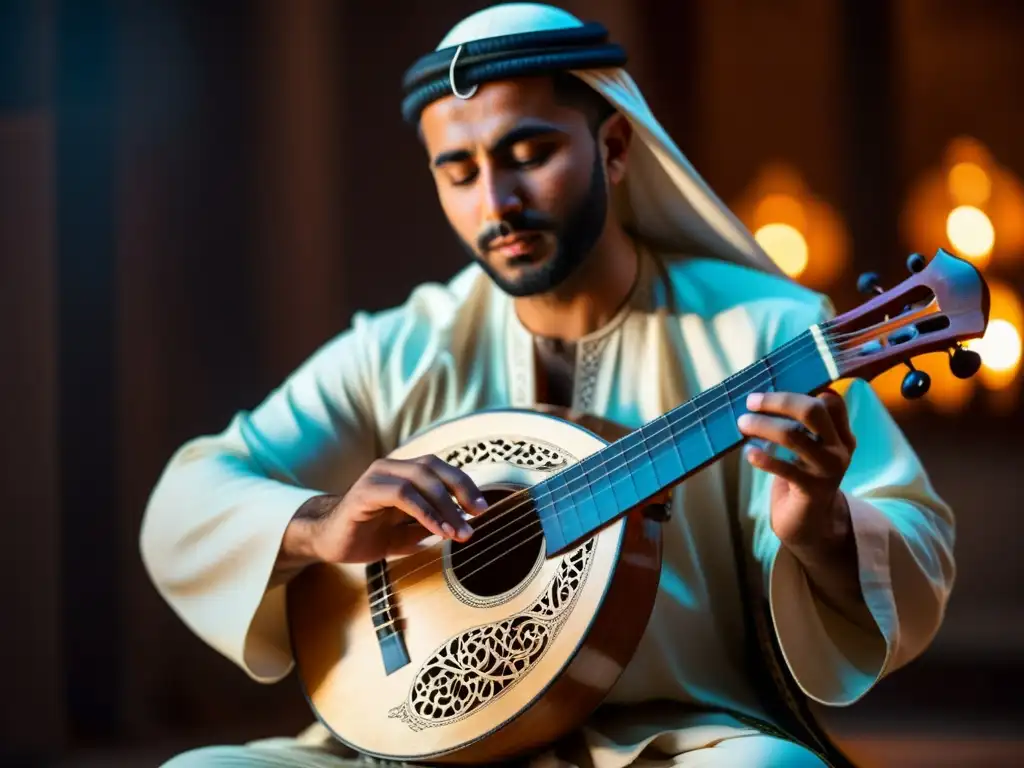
(460, 210)
(560, 184)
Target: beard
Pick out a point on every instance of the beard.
(574, 239)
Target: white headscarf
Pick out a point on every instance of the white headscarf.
(664, 200)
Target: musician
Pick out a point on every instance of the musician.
(604, 277)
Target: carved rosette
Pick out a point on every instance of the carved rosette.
(518, 452)
(476, 667)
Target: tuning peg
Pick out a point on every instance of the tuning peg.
(915, 384)
(916, 263)
(868, 283)
(964, 363)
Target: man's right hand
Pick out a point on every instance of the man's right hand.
(389, 510)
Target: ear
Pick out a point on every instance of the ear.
(615, 136)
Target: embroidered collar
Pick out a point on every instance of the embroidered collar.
(589, 348)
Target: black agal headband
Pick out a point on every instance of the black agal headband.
(458, 70)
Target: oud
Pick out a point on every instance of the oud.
(489, 649)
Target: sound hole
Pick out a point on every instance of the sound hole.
(503, 550)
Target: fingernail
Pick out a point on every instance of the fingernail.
(448, 530)
(754, 400)
(481, 503)
(465, 530)
(744, 420)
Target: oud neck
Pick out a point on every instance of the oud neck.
(579, 501)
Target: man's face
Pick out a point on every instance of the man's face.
(521, 180)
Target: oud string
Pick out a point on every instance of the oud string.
(793, 358)
(700, 413)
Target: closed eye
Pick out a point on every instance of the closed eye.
(535, 158)
(466, 181)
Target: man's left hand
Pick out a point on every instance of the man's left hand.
(809, 513)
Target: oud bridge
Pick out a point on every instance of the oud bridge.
(384, 613)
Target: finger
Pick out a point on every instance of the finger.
(792, 435)
(407, 539)
(390, 490)
(809, 411)
(776, 466)
(459, 484)
(435, 492)
(840, 416)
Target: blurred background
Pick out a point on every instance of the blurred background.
(196, 195)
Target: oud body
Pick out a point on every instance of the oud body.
(472, 652)
(485, 650)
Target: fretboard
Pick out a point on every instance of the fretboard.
(577, 502)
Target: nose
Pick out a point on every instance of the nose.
(499, 196)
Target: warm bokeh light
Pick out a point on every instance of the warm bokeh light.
(969, 184)
(999, 347)
(785, 245)
(969, 204)
(782, 208)
(971, 233)
(800, 232)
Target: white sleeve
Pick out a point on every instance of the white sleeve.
(213, 525)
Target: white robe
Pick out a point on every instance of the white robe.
(214, 523)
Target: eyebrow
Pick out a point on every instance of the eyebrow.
(512, 137)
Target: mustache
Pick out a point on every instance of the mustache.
(518, 221)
